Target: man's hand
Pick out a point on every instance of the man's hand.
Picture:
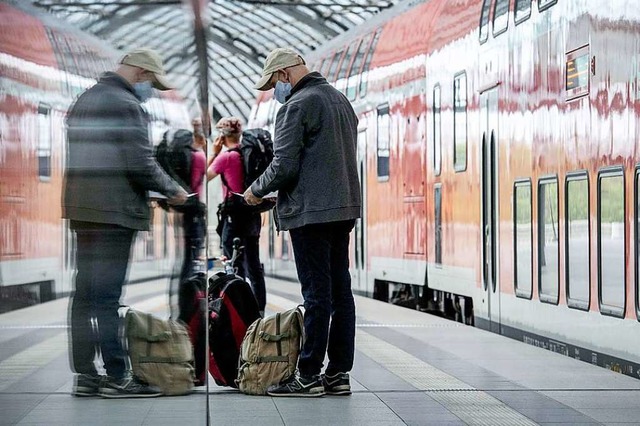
(251, 199)
(179, 199)
(217, 145)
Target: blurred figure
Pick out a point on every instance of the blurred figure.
(315, 171)
(110, 167)
(237, 223)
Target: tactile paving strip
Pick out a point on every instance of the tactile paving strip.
(472, 406)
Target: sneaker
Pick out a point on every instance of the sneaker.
(298, 385)
(86, 384)
(337, 384)
(128, 387)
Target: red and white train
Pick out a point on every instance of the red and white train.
(44, 66)
(498, 154)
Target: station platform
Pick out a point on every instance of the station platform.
(410, 368)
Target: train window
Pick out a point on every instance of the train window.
(342, 74)
(437, 134)
(437, 205)
(44, 142)
(637, 238)
(352, 81)
(484, 21)
(383, 142)
(460, 122)
(364, 77)
(548, 247)
(523, 10)
(324, 69)
(577, 240)
(611, 242)
(545, 4)
(331, 75)
(523, 238)
(500, 16)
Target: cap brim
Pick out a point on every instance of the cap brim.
(161, 82)
(263, 83)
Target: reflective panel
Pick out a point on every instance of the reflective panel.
(460, 122)
(383, 141)
(548, 249)
(437, 138)
(611, 262)
(578, 240)
(522, 238)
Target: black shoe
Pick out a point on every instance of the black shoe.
(298, 386)
(337, 384)
(128, 387)
(87, 384)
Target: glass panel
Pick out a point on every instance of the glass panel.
(364, 79)
(44, 141)
(460, 122)
(548, 249)
(334, 66)
(500, 16)
(438, 219)
(523, 10)
(611, 240)
(484, 20)
(522, 238)
(383, 142)
(325, 66)
(578, 240)
(637, 240)
(545, 4)
(355, 68)
(437, 139)
(345, 62)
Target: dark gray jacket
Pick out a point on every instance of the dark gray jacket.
(314, 166)
(110, 163)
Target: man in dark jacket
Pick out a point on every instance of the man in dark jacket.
(315, 173)
(110, 167)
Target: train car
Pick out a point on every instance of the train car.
(499, 165)
(44, 66)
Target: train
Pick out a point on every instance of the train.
(499, 167)
(44, 65)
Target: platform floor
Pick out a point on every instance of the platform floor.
(410, 369)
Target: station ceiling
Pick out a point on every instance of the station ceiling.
(239, 33)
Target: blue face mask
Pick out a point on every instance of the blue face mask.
(143, 90)
(282, 91)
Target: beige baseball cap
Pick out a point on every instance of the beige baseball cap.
(278, 59)
(149, 60)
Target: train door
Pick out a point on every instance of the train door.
(359, 234)
(490, 205)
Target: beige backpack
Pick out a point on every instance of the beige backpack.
(270, 350)
(160, 351)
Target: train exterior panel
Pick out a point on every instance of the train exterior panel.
(44, 66)
(498, 161)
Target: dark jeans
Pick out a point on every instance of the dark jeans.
(322, 260)
(249, 263)
(102, 258)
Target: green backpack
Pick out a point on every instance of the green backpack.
(270, 350)
(160, 351)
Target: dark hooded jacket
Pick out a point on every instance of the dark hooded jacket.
(110, 164)
(314, 168)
